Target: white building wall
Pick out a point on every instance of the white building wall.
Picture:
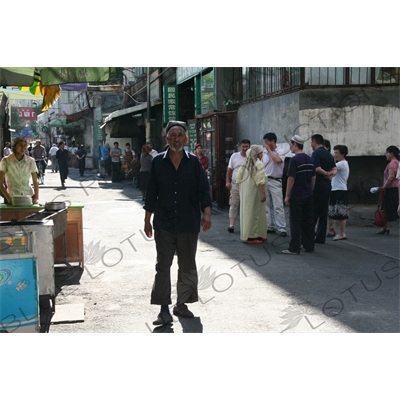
(367, 130)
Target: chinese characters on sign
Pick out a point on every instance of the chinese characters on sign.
(171, 112)
(27, 112)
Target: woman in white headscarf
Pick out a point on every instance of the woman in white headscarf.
(252, 180)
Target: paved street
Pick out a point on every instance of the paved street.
(345, 286)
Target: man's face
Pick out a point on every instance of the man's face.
(243, 148)
(313, 144)
(269, 143)
(337, 156)
(20, 148)
(177, 138)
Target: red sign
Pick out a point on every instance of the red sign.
(27, 112)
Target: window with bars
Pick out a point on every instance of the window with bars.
(260, 81)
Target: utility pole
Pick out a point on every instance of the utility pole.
(148, 133)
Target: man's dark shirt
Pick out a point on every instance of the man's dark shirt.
(301, 168)
(63, 157)
(322, 158)
(176, 197)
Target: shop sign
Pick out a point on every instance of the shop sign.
(170, 103)
(185, 73)
(154, 86)
(192, 134)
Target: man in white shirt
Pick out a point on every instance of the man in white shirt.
(54, 163)
(273, 159)
(7, 150)
(236, 160)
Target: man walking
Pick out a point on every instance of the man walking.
(325, 169)
(235, 161)
(177, 193)
(39, 153)
(53, 151)
(63, 158)
(299, 196)
(273, 159)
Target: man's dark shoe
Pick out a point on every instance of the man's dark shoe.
(270, 231)
(163, 319)
(231, 229)
(182, 311)
(283, 234)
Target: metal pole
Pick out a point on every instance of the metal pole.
(148, 133)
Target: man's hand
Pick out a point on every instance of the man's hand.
(287, 200)
(205, 223)
(148, 229)
(228, 185)
(35, 200)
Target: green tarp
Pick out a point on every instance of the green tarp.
(24, 76)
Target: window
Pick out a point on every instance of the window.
(258, 81)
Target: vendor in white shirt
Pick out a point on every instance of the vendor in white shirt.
(16, 170)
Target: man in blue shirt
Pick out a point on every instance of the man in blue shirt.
(177, 193)
(325, 169)
(299, 196)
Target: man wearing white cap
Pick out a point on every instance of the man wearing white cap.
(299, 196)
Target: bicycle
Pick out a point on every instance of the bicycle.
(40, 172)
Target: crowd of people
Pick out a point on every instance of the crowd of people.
(316, 191)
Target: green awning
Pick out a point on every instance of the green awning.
(24, 76)
(62, 123)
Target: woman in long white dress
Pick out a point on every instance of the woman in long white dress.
(252, 181)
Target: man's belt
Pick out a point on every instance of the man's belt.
(276, 179)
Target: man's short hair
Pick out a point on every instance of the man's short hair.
(270, 136)
(319, 139)
(245, 141)
(343, 150)
(116, 143)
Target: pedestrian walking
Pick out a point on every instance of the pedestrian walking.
(145, 165)
(177, 193)
(63, 156)
(273, 159)
(53, 151)
(299, 197)
(235, 161)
